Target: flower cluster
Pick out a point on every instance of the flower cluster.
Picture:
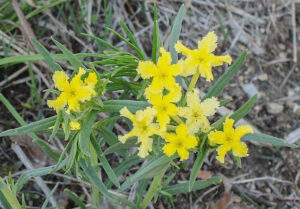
(180, 125)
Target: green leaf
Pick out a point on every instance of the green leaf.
(175, 33)
(36, 172)
(48, 58)
(108, 135)
(78, 200)
(71, 158)
(127, 42)
(56, 126)
(156, 41)
(85, 131)
(95, 180)
(182, 188)
(119, 146)
(153, 188)
(101, 41)
(266, 139)
(117, 105)
(244, 109)
(49, 196)
(75, 62)
(37, 126)
(108, 170)
(197, 166)
(124, 166)
(7, 198)
(218, 87)
(44, 146)
(147, 169)
(132, 39)
(238, 161)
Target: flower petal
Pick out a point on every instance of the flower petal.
(60, 79)
(216, 137)
(222, 150)
(239, 149)
(210, 106)
(169, 149)
(146, 69)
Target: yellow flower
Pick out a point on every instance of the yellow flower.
(143, 128)
(163, 73)
(201, 58)
(230, 140)
(163, 104)
(197, 112)
(74, 126)
(180, 142)
(73, 92)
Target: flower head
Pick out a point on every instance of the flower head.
(197, 112)
(202, 58)
(143, 128)
(163, 73)
(229, 139)
(73, 92)
(164, 105)
(179, 142)
(74, 126)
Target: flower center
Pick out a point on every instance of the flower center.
(72, 93)
(179, 143)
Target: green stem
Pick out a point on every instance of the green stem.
(194, 80)
(177, 119)
(94, 162)
(153, 188)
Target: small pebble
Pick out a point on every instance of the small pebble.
(274, 108)
(289, 104)
(263, 77)
(250, 89)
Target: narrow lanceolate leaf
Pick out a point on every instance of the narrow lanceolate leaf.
(244, 109)
(101, 41)
(37, 126)
(108, 135)
(218, 87)
(47, 56)
(108, 170)
(7, 198)
(156, 42)
(196, 167)
(56, 125)
(184, 187)
(124, 166)
(119, 146)
(175, 33)
(266, 139)
(45, 147)
(132, 39)
(117, 105)
(85, 131)
(49, 196)
(153, 167)
(75, 62)
(95, 180)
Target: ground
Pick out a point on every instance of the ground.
(268, 30)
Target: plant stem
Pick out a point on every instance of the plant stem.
(153, 188)
(194, 80)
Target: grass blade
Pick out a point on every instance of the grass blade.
(244, 109)
(49, 196)
(266, 139)
(85, 131)
(197, 166)
(109, 171)
(184, 187)
(37, 126)
(75, 62)
(47, 56)
(175, 33)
